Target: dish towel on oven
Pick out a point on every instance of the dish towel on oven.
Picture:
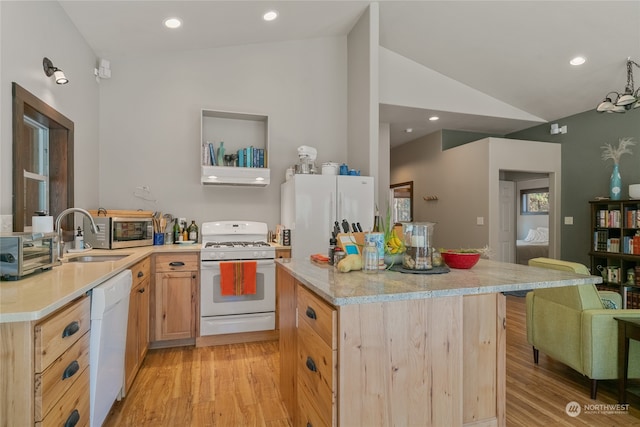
(238, 278)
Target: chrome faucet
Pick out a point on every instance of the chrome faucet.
(58, 229)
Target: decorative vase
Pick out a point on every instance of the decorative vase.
(615, 185)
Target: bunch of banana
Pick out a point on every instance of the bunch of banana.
(394, 244)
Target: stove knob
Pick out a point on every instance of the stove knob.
(221, 255)
(255, 254)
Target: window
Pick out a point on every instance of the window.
(401, 196)
(534, 201)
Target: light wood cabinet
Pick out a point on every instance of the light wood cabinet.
(316, 363)
(283, 252)
(175, 297)
(429, 362)
(44, 367)
(138, 321)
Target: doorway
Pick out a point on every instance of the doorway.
(525, 202)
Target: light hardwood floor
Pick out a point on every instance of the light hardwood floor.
(237, 385)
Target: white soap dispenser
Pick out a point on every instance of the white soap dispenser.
(79, 240)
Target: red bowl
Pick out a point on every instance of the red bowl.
(462, 260)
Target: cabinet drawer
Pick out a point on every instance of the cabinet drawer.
(316, 367)
(177, 262)
(141, 271)
(60, 376)
(320, 316)
(307, 413)
(74, 405)
(60, 331)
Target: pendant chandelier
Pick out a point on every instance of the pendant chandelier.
(622, 102)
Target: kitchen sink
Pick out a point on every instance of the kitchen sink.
(97, 258)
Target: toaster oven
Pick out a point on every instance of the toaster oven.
(25, 253)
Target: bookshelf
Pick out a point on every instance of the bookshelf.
(234, 148)
(615, 247)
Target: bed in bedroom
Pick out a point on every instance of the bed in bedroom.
(535, 245)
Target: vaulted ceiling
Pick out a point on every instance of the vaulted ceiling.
(513, 52)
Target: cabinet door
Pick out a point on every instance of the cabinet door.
(143, 319)
(287, 324)
(131, 348)
(175, 305)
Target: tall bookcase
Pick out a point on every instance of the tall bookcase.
(615, 242)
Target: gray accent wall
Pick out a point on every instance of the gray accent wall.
(584, 175)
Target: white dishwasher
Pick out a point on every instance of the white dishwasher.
(109, 312)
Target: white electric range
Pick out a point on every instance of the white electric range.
(235, 241)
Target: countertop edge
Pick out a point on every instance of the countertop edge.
(137, 254)
(438, 293)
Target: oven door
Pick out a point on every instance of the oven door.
(212, 303)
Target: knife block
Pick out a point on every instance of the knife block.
(352, 243)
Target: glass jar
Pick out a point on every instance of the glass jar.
(370, 258)
(417, 240)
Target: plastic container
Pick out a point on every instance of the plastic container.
(417, 240)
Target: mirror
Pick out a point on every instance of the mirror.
(402, 202)
(42, 160)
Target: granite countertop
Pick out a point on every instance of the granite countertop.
(487, 276)
(40, 294)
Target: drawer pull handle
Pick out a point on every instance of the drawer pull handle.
(71, 329)
(140, 274)
(73, 419)
(141, 291)
(176, 264)
(71, 370)
(311, 365)
(311, 313)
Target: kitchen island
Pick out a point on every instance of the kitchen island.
(399, 349)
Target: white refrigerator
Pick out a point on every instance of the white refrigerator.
(310, 205)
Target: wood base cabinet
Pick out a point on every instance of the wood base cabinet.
(175, 297)
(138, 322)
(44, 368)
(427, 362)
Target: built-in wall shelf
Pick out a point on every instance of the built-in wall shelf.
(245, 141)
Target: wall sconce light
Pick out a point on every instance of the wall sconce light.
(555, 129)
(621, 102)
(56, 72)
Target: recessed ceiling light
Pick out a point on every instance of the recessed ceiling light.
(434, 118)
(408, 130)
(578, 60)
(270, 15)
(172, 23)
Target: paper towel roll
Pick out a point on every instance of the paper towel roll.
(42, 224)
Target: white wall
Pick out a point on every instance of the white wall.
(526, 156)
(457, 177)
(363, 110)
(465, 180)
(29, 31)
(150, 122)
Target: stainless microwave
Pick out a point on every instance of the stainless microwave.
(119, 232)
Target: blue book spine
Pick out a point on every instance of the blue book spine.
(212, 154)
(250, 157)
(240, 159)
(261, 158)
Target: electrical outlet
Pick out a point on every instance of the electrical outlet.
(480, 220)
(6, 223)
(568, 220)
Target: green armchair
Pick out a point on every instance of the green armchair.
(571, 325)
